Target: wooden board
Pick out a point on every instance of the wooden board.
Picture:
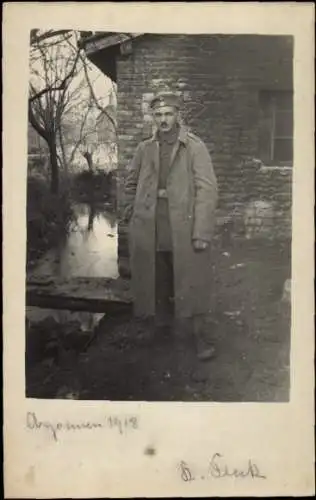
(79, 294)
(95, 45)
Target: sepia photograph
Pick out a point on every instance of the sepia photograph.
(159, 200)
(158, 249)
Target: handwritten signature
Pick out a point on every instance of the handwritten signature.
(121, 424)
(218, 468)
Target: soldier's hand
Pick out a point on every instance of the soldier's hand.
(200, 245)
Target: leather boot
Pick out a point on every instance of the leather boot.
(205, 350)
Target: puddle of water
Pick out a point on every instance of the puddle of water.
(90, 249)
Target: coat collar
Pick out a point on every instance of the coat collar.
(182, 137)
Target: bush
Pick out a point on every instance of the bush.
(49, 218)
(98, 185)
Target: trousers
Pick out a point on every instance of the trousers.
(164, 288)
(193, 329)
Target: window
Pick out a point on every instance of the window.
(276, 127)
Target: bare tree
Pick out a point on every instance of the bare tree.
(98, 119)
(52, 70)
(56, 62)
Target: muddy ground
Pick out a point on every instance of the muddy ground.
(123, 360)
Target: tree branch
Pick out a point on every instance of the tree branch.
(92, 93)
(38, 95)
(35, 124)
(35, 38)
(101, 108)
(63, 84)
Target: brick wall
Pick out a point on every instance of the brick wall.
(219, 78)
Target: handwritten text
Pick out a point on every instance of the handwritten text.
(120, 424)
(218, 468)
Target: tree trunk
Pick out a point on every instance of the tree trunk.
(50, 138)
(91, 216)
(63, 152)
(88, 157)
(54, 185)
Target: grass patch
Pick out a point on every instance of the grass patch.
(49, 218)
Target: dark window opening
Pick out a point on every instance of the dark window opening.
(276, 127)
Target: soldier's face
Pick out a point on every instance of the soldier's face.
(165, 118)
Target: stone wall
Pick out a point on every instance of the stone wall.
(263, 203)
(219, 79)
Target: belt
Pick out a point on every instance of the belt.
(162, 193)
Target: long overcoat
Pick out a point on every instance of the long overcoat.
(192, 198)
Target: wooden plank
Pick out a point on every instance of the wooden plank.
(108, 41)
(103, 43)
(79, 294)
(75, 303)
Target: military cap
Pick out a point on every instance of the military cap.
(165, 99)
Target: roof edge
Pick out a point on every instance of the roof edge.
(99, 41)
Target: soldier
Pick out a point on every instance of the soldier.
(171, 196)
